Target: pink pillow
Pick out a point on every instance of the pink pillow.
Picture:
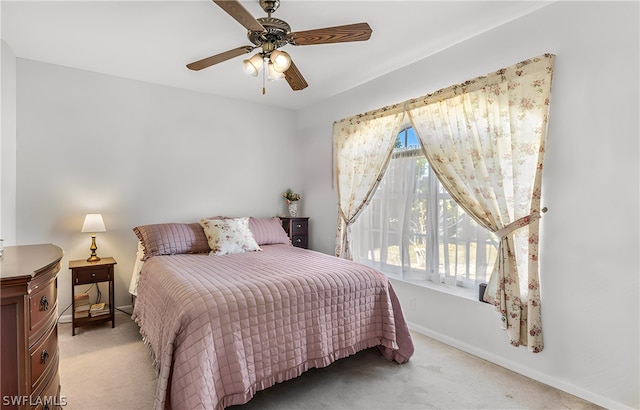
(171, 239)
(268, 231)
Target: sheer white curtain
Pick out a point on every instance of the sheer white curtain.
(362, 147)
(413, 230)
(381, 233)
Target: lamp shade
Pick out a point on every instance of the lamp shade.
(93, 223)
(281, 60)
(273, 74)
(253, 65)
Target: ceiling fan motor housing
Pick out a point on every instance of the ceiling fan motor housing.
(275, 35)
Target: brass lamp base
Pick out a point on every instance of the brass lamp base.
(94, 248)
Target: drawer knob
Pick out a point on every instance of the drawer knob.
(44, 356)
(298, 226)
(298, 240)
(93, 275)
(44, 303)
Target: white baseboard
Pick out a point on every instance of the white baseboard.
(523, 370)
(126, 308)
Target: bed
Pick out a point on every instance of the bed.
(222, 326)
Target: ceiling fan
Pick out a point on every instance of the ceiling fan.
(270, 34)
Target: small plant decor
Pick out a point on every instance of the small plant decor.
(291, 196)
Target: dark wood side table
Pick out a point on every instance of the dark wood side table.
(83, 273)
(298, 230)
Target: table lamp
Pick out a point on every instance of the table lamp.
(93, 223)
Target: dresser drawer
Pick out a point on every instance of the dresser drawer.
(299, 241)
(44, 356)
(49, 398)
(29, 314)
(299, 227)
(92, 275)
(297, 230)
(42, 306)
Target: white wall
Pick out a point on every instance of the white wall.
(138, 153)
(589, 245)
(7, 144)
(93, 143)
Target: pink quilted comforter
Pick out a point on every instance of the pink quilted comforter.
(221, 328)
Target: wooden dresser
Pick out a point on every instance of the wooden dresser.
(298, 230)
(29, 319)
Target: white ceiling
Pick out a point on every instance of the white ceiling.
(153, 40)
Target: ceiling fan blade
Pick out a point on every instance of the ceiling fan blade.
(241, 14)
(218, 58)
(338, 34)
(294, 78)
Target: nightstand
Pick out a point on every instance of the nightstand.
(83, 273)
(298, 231)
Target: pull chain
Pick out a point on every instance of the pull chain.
(264, 74)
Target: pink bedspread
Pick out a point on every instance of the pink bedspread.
(221, 328)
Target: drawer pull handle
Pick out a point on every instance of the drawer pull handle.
(298, 226)
(44, 303)
(44, 356)
(298, 240)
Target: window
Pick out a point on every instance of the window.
(413, 230)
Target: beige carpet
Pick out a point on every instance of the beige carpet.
(105, 368)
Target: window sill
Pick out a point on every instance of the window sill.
(466, 293)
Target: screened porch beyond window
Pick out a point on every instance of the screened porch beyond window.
(413, 230)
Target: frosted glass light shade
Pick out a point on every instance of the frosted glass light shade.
(253, 65)
(93, 223)
(281, 61)
(273, 74)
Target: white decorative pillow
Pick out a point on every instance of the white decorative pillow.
(230, 235)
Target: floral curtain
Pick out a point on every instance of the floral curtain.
(362, 148)
(485, 141)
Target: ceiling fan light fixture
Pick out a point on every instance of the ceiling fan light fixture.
(281, 60)
(270, 34)
(273, 74)
(253, 65)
